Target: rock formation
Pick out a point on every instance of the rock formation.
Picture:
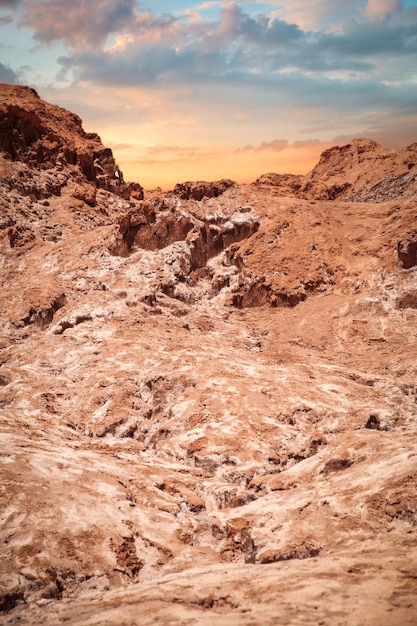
(202, 189)
(208, 400)
(361, 171)
(50, 140)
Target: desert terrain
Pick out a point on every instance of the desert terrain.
(208, 396)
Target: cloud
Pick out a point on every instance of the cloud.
(210, 5)
(9, 4)
(379, 10)
(300, 144)
(161, 149)
(315, 14)
(389, 133)
(175, 153)
(236, 47)
(7, 75)
(123, 147)
(85, 23)
(148, 29)
(235, 68)
(388, 128)
(276, 145)
(374, 40)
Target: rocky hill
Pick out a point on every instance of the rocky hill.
(361, 171)
(208, 397)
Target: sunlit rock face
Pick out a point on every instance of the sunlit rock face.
(51, 140)
(208, 400)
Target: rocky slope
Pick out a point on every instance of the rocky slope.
(361, 171)
(208, 397)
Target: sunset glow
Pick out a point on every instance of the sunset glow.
(205, 90)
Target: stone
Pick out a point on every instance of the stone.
(407, 252)
(201, 189)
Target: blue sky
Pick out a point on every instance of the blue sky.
(184, 90)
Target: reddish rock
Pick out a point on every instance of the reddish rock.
(202, 189)
(360, 171)
(407, 300)
(407, 252)
(46, 136)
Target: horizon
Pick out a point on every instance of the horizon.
(210, 90)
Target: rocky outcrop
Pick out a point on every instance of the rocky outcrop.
(360, 171)
(288, 184)
(46, 137)
(407, 252)
(201, 189)
(158, 223)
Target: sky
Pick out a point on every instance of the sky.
(184, 90)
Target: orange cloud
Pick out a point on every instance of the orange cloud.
(276, 145)
(379, 10)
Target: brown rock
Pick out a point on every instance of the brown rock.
(45, 136)
(407, 300)
(407, 252)
(360, 171)
(86, 193)
(202, 189)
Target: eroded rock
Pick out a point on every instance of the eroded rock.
(45, 136)
(202, 189)
(407, 252)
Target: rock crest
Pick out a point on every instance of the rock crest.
(48, 138)
(360, 171)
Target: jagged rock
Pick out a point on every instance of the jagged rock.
(201, 189)
(19, 236)
(86, 193)
(153, 224)
(45, 136)
(287, 184)
(157, 223)
(407, 252)
(360, 171)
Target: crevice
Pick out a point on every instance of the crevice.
(9, 601)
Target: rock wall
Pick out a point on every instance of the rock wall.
(48, 137)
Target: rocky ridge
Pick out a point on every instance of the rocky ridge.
(360, 171)
(208, 397)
